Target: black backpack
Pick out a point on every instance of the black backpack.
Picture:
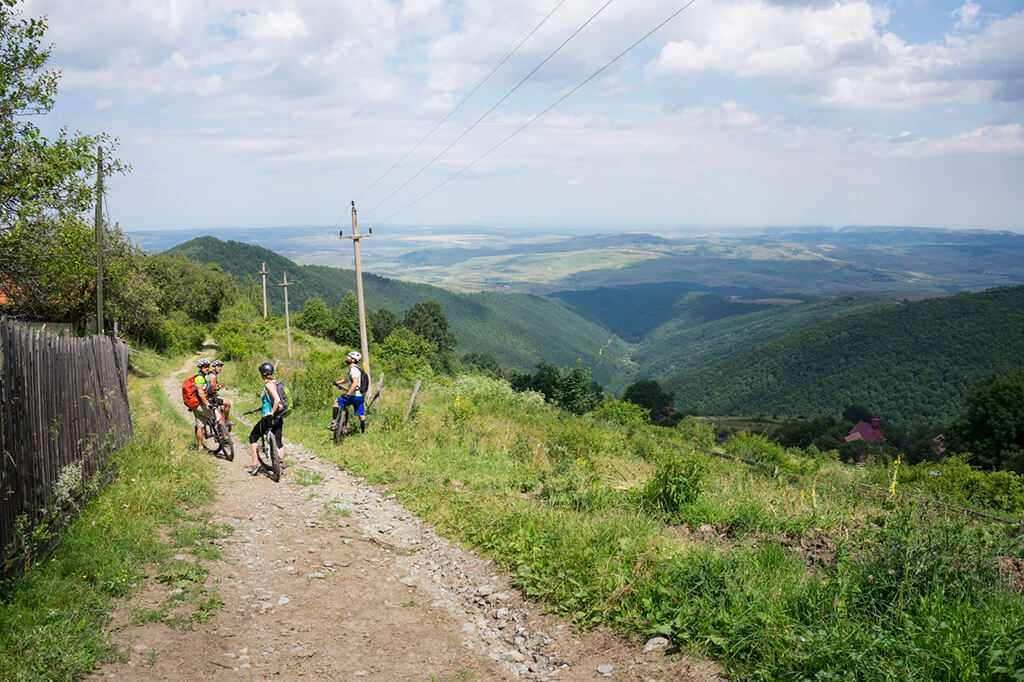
(284, 398)
(364, 381)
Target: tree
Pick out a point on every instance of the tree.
(576, 392)
(315, 317)
(992, 425)
(47, 250)
(427, 321)
(857, 413)
(345, 330)
(383, 322)
(406, 354)
(648, 393)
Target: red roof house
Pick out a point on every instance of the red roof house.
(865, 431)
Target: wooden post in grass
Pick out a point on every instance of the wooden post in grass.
(412, 399)
(99, 240)
(355, 237)
(287, 322)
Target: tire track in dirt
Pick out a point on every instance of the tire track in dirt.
(335, 580)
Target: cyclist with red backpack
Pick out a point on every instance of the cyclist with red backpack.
(216, 385)
(358, 383)
(193, 394)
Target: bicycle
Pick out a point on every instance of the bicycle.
(269, 457)
(341, 423)
(217, 435)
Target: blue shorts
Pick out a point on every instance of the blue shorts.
(356, 400)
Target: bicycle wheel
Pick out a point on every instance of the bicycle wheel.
(341, 425)
(275, 460)
(210, 439)
(264, 455)
(227, 446)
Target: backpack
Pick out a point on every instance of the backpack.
(364, 381)
(284, 398)
(189, 396)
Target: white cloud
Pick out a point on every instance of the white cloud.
(967, 15)
(285, 25)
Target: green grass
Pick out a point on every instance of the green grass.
(556, 501)
(52, 619)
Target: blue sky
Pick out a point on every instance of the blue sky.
(737, 113)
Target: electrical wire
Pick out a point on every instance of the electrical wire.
(463, 101)
(549, 108)
(495, 106)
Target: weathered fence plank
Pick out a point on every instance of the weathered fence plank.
(63, 401)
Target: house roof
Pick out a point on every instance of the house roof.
(866, 431)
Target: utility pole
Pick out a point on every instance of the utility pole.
(287, 323)
(355, 237)
(99, 240)
(264, 272)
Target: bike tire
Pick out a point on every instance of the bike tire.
(227, 446)
(340, 426)
(275, 461)
(211, 441)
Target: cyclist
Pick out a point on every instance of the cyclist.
(215, 386)
(203, 412)
(270, 422)
(352, 396)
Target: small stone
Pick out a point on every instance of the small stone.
(318, 574)
(311, 550)
(310, 523)
(513, 656)
(362, 673)
(501, 614)
(655, 643)
(605, 669)
(485, 590)
(328, 564)
(244, 666)
(408, 581)
(468, 627)
(283, 600)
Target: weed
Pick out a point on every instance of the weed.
(306, 477)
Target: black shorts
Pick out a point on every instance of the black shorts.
(268, 424)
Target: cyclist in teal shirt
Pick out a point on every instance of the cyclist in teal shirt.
(270, 422)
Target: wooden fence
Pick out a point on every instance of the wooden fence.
(63, 405)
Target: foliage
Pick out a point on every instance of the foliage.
(575, 392)
(483, 363)
(406, 354)
(955, 480)
(648, 393)
(620, 412)
(199, 291)
(426, 320)
(497, 392)
(315, 317)
(238, 336)
(992, 425)
(913, 362)
(676, 482)
(382, 322)
(345, 329)
(699, 434)
(175, 335)
(47, 250)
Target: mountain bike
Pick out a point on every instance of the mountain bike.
(267, 453)
(341, 423)
(217, 435)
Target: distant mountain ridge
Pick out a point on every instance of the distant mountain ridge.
(520, 330)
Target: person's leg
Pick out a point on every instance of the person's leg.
(278, 436)
(254, 437)
(199, 428)
(226, 409)
(360, 411)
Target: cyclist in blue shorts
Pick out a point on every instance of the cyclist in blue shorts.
(353, 395)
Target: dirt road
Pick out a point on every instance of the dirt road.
(326, 578)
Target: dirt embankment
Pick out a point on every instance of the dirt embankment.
(327, 578)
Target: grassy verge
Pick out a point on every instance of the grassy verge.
(52, 620)
(803, 580)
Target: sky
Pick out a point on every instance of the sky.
(734, 113)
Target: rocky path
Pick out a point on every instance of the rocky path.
(327, 578)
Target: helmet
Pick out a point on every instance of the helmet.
(266, 369)
(356, 355)
(203, 363)
(217, 363)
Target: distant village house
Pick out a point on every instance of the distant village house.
(866, 431)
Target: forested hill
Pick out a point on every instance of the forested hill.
(519, 330)
(910, 363)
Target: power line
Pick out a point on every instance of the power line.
(549, 108)
(463, 101)
(496, 104)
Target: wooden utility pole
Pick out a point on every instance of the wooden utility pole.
(264, 272)
(287, 322)
(355, 237)
(99, 240)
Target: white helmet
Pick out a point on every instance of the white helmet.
(356, 355)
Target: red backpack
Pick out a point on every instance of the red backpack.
(188, 393)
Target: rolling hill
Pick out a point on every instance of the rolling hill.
(911, 362)
(520, 330)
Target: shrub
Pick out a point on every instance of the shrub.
(755, 447)
(620, 412)
(700, 434)
(955, 480)
(572, 439)
(496, 391)
(677, 482)
(312, 386)
(177, 334)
